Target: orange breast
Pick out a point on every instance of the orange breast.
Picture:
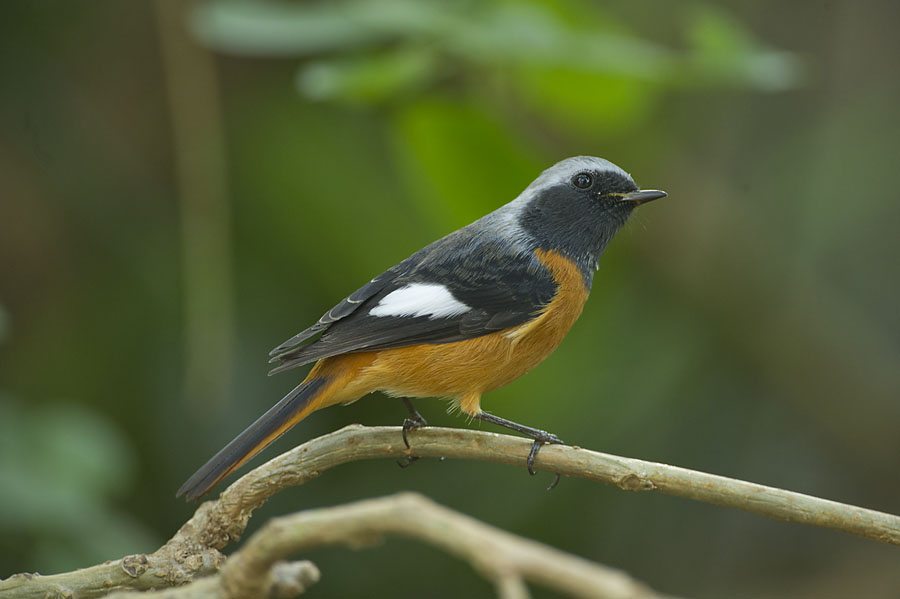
(465, 369)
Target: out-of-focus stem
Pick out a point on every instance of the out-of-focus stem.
(192, 90)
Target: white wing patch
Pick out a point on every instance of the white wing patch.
(420, 299)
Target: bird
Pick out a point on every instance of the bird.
(461, 317)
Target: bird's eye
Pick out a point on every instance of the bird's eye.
(582, 180)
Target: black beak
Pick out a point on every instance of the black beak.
(643, 196)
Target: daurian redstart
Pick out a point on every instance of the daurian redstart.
(461, 317)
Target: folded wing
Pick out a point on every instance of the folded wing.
(438, 295)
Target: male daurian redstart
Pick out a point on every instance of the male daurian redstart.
(461, 317)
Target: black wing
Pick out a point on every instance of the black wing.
(501, 287)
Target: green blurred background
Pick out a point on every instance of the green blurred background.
(185, 186)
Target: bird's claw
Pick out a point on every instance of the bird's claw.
(410, 424)
(541, 439)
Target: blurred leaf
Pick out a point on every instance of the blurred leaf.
(82, 450)
(281, 29)
(496, 37)
(526, 36)
(58, 454)
(272, 28)
(369, 79)
(59, 464)
(724, 52)
(585, 103)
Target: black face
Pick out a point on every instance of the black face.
(605, 185)
(580, 216)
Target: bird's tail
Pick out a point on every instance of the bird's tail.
(304, 399)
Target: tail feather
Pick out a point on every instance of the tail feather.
(295, 406)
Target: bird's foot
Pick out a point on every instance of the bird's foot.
(415, 421)
(540, 438)
(544, 438)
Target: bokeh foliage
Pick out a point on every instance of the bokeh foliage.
(747, 325)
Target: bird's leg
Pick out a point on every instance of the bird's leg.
(414, 421)
(540, 438)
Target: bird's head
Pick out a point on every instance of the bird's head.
(577, 205)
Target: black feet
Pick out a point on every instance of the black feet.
(414, 421)
(540, 437)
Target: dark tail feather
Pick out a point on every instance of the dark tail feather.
(271, 425)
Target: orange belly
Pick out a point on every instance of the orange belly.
(464, 370)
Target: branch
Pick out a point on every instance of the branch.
(505, 559)
(173, 564)
(227, 517)
(282, 580)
